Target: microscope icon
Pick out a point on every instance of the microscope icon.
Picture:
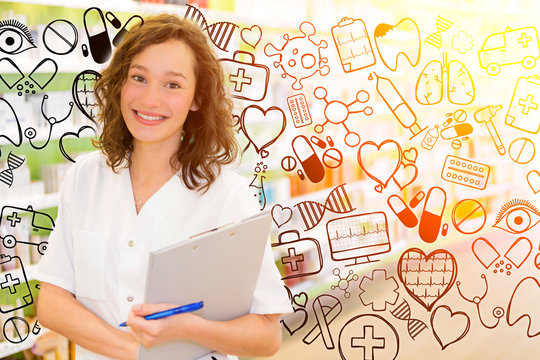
(338, 112)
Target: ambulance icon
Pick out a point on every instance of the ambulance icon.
(510, 47)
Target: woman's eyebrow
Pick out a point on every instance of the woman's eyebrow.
(173, 73)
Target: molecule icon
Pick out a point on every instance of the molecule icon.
(344, 283)
(300, 57)
(337, 112)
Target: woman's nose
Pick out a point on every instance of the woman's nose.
(151, 96)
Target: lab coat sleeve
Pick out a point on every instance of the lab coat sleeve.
(56, 265)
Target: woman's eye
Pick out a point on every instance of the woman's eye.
(15, 37)
(517, 216)
(173, 86)
(137, 78)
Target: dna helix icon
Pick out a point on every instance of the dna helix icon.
(435, 39)
(13, 162)
(220, 33)
(414, 326)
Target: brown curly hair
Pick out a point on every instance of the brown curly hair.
(208, 140)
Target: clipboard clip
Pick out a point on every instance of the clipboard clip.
(345, 21)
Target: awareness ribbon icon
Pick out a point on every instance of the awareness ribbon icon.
(220, 33)
(337, 202)
(414, 326)
(13, 162)
(435, 39)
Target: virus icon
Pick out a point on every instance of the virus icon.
(300, 57)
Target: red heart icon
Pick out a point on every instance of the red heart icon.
(273, 120)
(448, 326)
(405, 175)
(380, 161)
(252, 35)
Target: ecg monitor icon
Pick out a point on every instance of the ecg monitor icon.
(358, 237)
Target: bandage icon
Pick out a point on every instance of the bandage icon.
(326, 308)
(430, 221)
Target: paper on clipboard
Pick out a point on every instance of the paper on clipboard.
(353, 44)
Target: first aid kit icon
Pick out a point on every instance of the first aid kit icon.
(14, 283)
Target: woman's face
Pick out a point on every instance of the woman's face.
(158, 93)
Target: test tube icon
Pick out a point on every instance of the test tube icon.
(397, 105)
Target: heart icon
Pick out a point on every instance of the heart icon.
(410, 155)
(380, 162)
(533, 178)
(427, 278)
(449, 327)
(281, 215)
(405, 175)
(252, 35)
(300, 299)
(77, 134)
(274, 122)
(294, 322)
(82, 91)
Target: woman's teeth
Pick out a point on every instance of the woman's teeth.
(151, 118)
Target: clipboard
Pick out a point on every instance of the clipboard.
(220, 267)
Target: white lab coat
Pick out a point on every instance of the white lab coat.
(99, 247)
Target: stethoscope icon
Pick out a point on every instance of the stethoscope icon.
(30, 133)
(498, 312)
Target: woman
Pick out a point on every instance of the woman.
(160, 177)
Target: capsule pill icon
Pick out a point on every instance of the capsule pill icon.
(312, 165)
(431, 218)
(402, 211)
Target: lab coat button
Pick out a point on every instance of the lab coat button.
(131, 243)
(130, 298)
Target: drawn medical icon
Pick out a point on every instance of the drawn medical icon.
(252, 35)
(460, 88)
(462, 42)
(448, 326)
(353, 45)
(509, 47)
(337, 202)
(326, 308)
(77, 134)
(410, 155)
(344, 282)
(310, 162)
(41, 75)
(417, 199)
(113, 20)
(13, 162)
(427, 278)
(36, 328)
(498, 312)
(435, 39)
(275, 123)
(397, 105)
(459, 130)
(15, 37)
(523, 109)
(16, 329)
(295, 261)
(258, 183)
(98, 37)
(7, 66)
(30, 133)
(299, 109)
(318, 141)
(380, 161)
(519, 306)
(358, 237)
(133, 21)
(295, 321)
(220, 33)
(337, 112)
(522, 150)
(431, 218)
(288, 163)
(281, 215)
(402, 211)
(405, 175)
(246, 79)
(516, 254)
(332, 158)
(401, 39)
(469, 216)
(14, 283)
(414, 326)
(300, 57)
(465, 172)
(60, 37)
(485, 252)
(47, 69)
(431, 137)
(378, 290)
(82, 91)
(484, 115)
(300, 299)
(533, 179)
(517, 216)
(368, 337)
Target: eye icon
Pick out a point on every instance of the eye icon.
(14, 37)
(517, 216)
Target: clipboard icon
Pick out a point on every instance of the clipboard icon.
(353, 44)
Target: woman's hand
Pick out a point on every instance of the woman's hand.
(153, 332)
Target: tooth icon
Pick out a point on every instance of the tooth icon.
(522, 305)
(395, 40)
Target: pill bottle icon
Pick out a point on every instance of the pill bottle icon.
(431, 138)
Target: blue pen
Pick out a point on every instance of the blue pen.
(177, 310)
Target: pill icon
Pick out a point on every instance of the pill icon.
(330, 141)
(332, 158)
(417, 199)
(456, 144)
(519, 251)
(402, 211)
(522, 150)
(312, 165)
(537, 261)
(444, 230)
(16, 330)
(456, 131)
(485, 252)
(113, 20)
(316, 141)
(460, 115)
(447, 122)
(288, 163)
(300, 174)
(431, 218)
(468, 216)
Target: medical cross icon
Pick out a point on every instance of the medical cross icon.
(527, 104)
(524, 39)
(293, 259)
(239, 79)
(368, 342)
(14, 219)
(10, 283)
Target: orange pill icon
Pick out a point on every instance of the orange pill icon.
(431, 218)
(309, 160)
(402, 211)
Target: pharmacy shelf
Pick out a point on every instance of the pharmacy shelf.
(7, 348)
(17, 273)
